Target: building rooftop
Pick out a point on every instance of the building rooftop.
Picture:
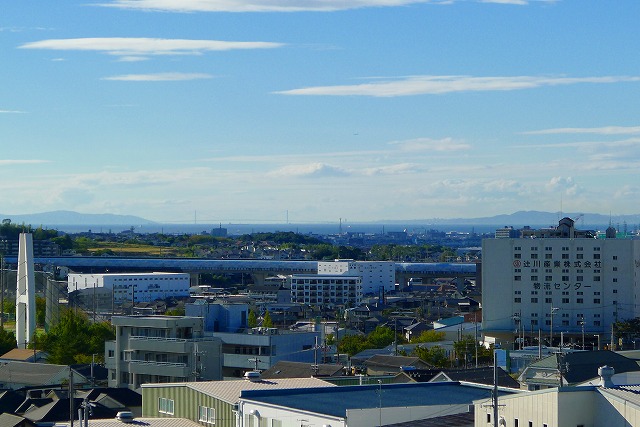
(336, 401)
(230, 391)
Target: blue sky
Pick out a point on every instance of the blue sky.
(242, 111)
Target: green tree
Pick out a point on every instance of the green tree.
(252, 320)
(266, 320)
(435, 356)
(380, 337)
(429, 336)
(75, 337)
(352, 344)
(7, 341)
(41, 309)
(175, 311)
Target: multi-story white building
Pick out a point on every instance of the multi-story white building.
(375, 275)
(558, 281)
(326, 290)
(133, 286)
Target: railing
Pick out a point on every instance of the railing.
(157, 339)
(151, 362)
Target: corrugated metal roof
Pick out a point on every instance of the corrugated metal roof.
(144, 422)
(229, 391)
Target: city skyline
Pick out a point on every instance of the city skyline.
(316, 110)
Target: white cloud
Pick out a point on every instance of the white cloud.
(606, 130)
(137, 47)
(428, 144)
(397, 169)
(436, 85)
(11, 112)
(309, 170)
(160, 77)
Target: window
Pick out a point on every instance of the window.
(165, 406)
(615, 257)
(517, 256)
(515, 422)
(565, 300)
(596, 256)
(488, 418)
(207, 415)
(517, 278)
(534, 256)
(534, 300)
(548, 278)
(579, 301)
(517, 300)
(548, 256)
(111, 353)
(534, 278)
(565, 256)
(596, 278)
(548, 300)
(596, 300)
(579, 256)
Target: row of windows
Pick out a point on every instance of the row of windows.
(516, 422)
(564, 248)
(534, 300)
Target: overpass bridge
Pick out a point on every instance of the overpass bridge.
(258, 269)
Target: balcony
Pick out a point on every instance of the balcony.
(159, 368)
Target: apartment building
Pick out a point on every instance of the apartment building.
(375, 275)
(326, 290)
(160, 349)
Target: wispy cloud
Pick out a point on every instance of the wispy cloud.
(436, 85)
(315, 170)
(141, 47)
(260, 5)
(11, 112)
(428, 144)
(9, 162)
(607, 130)
(160, 77)
(281, 5)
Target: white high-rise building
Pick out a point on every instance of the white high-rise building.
(375, 275)
(557, 281)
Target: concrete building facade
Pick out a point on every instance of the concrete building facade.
(160, 349)
(326, 290)
(557, 281)
(138, 287)
(375, 275)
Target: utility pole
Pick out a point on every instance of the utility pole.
(495, 389)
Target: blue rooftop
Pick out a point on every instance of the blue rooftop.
(335, 401)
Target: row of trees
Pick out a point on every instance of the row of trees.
(465, 349)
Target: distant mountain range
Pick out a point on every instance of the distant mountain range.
(516, 219)
(54, 218)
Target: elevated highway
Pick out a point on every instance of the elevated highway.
(259, 269)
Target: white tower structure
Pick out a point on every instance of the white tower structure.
(25, 292)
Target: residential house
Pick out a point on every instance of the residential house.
(385, 365)
(286, 369)
(16, 375)
(577, 367)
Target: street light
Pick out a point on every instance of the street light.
(597, 335)
(551, 313)
(582, 324)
